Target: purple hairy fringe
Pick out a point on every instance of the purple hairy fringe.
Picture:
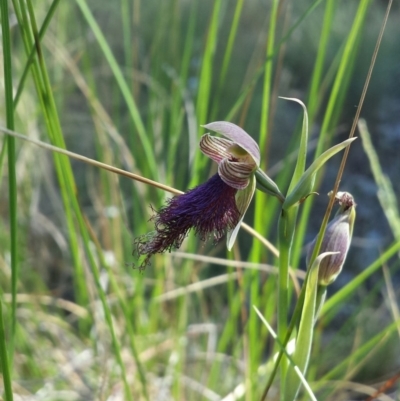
(209, 209)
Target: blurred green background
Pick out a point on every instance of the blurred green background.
(132, 81)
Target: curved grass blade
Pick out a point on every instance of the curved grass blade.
(301, 158)
(306, 184)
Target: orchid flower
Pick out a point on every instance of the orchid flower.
(215, 207)
(238, 158)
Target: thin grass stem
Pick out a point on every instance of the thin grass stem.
(12, 175)
(4, 360)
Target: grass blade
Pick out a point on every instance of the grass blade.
(205, 82)
(5, 363)
(386, 194)
(12, 180)
(130, 101)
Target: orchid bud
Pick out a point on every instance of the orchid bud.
(337, 239)
(267, 185)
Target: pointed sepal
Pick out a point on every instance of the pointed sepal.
(243, 199)
(305, 185)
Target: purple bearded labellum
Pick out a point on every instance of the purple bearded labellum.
(208, 208)
(212, 208)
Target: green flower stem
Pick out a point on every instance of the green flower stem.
(12, 180)
(287, 223)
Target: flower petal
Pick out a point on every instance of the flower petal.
(243, 199)
(237, 135)
(209, 209)
(235, 174)
(215, 148)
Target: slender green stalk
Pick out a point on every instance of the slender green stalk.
(5, 363)
(32, 52)
(314, 98)
(2, 156)
(205, 82)
(12, 180)
(343, 71)
(63, 168)
(286, 228)
(264, 123)
(227, 56)
(180, 98)
(130, 101)
(231, 41)
(127, 32)
(267, 84)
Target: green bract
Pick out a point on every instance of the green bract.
(306, 183)
(304, 338)
(266, 184)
